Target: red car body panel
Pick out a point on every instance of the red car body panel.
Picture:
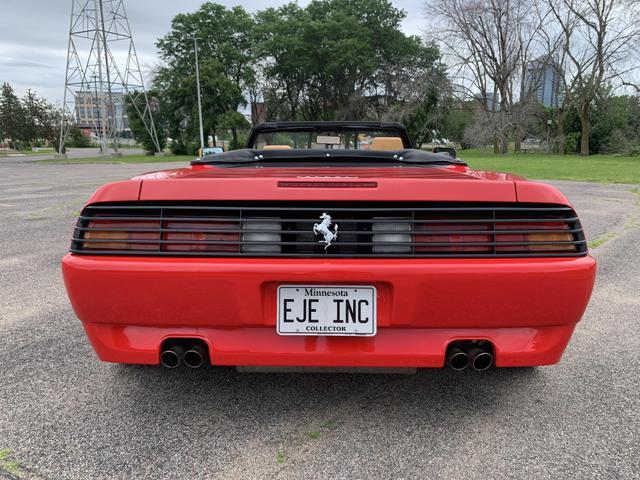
(130, 305)
(527, 307)
(393, 184)
(125, 191)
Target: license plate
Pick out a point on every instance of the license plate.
(326, 310)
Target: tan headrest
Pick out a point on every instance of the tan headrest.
(387, 144)
(276, 147)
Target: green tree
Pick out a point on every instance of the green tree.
(333, 59)
(13, 117)
(225, 40)
(614, 125)
(140, 128)
(286, 59)
(76, 138)
(345, 59)
(41, 120)
(455, 121)
(611, 123)
(416, 91)
(233, 122)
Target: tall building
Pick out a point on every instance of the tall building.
(542, 80)
(90, 117)
(493, 101)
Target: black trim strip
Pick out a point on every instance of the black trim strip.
(346, 220)
(350, 232)
(364, 244)
(335, 209)
(143, 253)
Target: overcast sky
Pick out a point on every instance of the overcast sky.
(33, 35)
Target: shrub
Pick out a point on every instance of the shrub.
(571, 142)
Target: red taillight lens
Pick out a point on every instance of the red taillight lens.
(518, 237)
(121, 235)
(298, 184)
(214, 236)
(169, 236)
(453, 237)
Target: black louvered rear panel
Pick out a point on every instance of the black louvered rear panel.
(424, 230)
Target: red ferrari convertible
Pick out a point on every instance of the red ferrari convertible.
(329, 244)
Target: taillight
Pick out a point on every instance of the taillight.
(426, 230)
(538, 237)
(391, 235)
(121, 235)
(262, 236)
(169, 236)
(453, 237)
(299, 184)
(508, 237)
(210, 236)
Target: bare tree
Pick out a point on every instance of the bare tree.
(594, 42)
(529, 77)
(555, 42)
(489, 42)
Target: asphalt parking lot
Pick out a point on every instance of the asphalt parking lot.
(65, 415)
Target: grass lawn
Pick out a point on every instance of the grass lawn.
(125, 159)
(597, 168)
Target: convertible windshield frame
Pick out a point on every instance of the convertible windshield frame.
(391, 128)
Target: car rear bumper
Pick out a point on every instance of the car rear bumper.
(389, 348)
(527, 308)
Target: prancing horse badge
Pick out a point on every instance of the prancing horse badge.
(323, 228)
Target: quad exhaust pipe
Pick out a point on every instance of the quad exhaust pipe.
(461, 355)
(457, 359)
(194, 357)
(175, 352)
(172, 357)
(480, 359)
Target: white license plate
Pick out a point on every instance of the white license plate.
(326, 310)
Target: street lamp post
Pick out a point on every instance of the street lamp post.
(98, 113)
(195, 45)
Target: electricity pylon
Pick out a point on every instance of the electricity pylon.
(102, 73)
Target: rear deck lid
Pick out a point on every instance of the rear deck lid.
(375, 183)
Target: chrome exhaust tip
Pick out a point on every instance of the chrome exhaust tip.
(171, 357)
(457, 359)
(194, 357)
(480, 359)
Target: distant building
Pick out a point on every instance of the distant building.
(489, 101)
(542, 81)
(493, 101)
(90, 117)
